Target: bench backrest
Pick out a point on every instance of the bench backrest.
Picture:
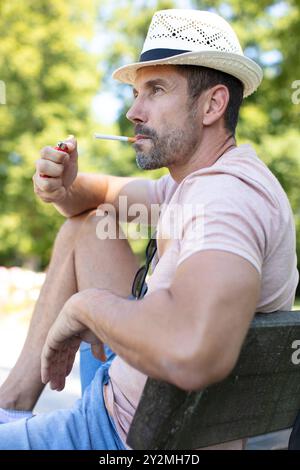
(261, 395)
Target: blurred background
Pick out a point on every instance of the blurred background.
(56, 59)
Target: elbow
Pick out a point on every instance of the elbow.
(66, 214)
(200, 380)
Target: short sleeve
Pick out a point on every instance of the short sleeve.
(227, 215)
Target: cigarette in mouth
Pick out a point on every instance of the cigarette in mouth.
(115, 137)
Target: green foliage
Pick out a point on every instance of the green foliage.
(50, 81)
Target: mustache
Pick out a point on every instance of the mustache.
(144, 130)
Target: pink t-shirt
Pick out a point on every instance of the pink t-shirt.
(242, 209)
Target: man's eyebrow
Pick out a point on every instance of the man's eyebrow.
(151, 84)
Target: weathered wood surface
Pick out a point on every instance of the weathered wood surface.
(261, 395)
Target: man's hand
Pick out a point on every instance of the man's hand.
(62, 343)
(56, 171)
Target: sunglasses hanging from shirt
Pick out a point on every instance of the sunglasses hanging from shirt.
(139, 286)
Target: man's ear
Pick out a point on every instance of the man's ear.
(215, 104)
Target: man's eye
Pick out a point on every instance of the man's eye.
(156, 89)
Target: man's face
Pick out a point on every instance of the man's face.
(166, 124)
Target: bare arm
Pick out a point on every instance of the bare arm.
(89, 191)
(57, 181)
(191, 344)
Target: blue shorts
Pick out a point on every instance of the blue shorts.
(85, 426)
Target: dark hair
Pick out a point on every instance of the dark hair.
(202, 78)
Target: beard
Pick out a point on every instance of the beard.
(169, 148)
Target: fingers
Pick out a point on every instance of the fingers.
(57, 363)
(48, 182)
(48, 167)
(48, 189)
(56, 156)
(56, 170)
(53, 370)
(57, 378)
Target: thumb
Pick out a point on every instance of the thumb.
(71, 143)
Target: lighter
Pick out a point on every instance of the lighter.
(62, 147)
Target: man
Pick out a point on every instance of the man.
(233, 252)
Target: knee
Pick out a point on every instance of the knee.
(72, 227)
(100, 226)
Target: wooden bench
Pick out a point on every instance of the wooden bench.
(261, 395)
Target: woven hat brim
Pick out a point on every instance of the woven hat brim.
(241, 67)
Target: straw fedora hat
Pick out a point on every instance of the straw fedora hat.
(194, 37)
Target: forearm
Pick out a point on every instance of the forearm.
(145, 333)
(86, 193)
(153, 335)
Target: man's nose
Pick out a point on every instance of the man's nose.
(136, 112)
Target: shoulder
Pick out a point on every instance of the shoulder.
(215, 186)
(164, 188)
